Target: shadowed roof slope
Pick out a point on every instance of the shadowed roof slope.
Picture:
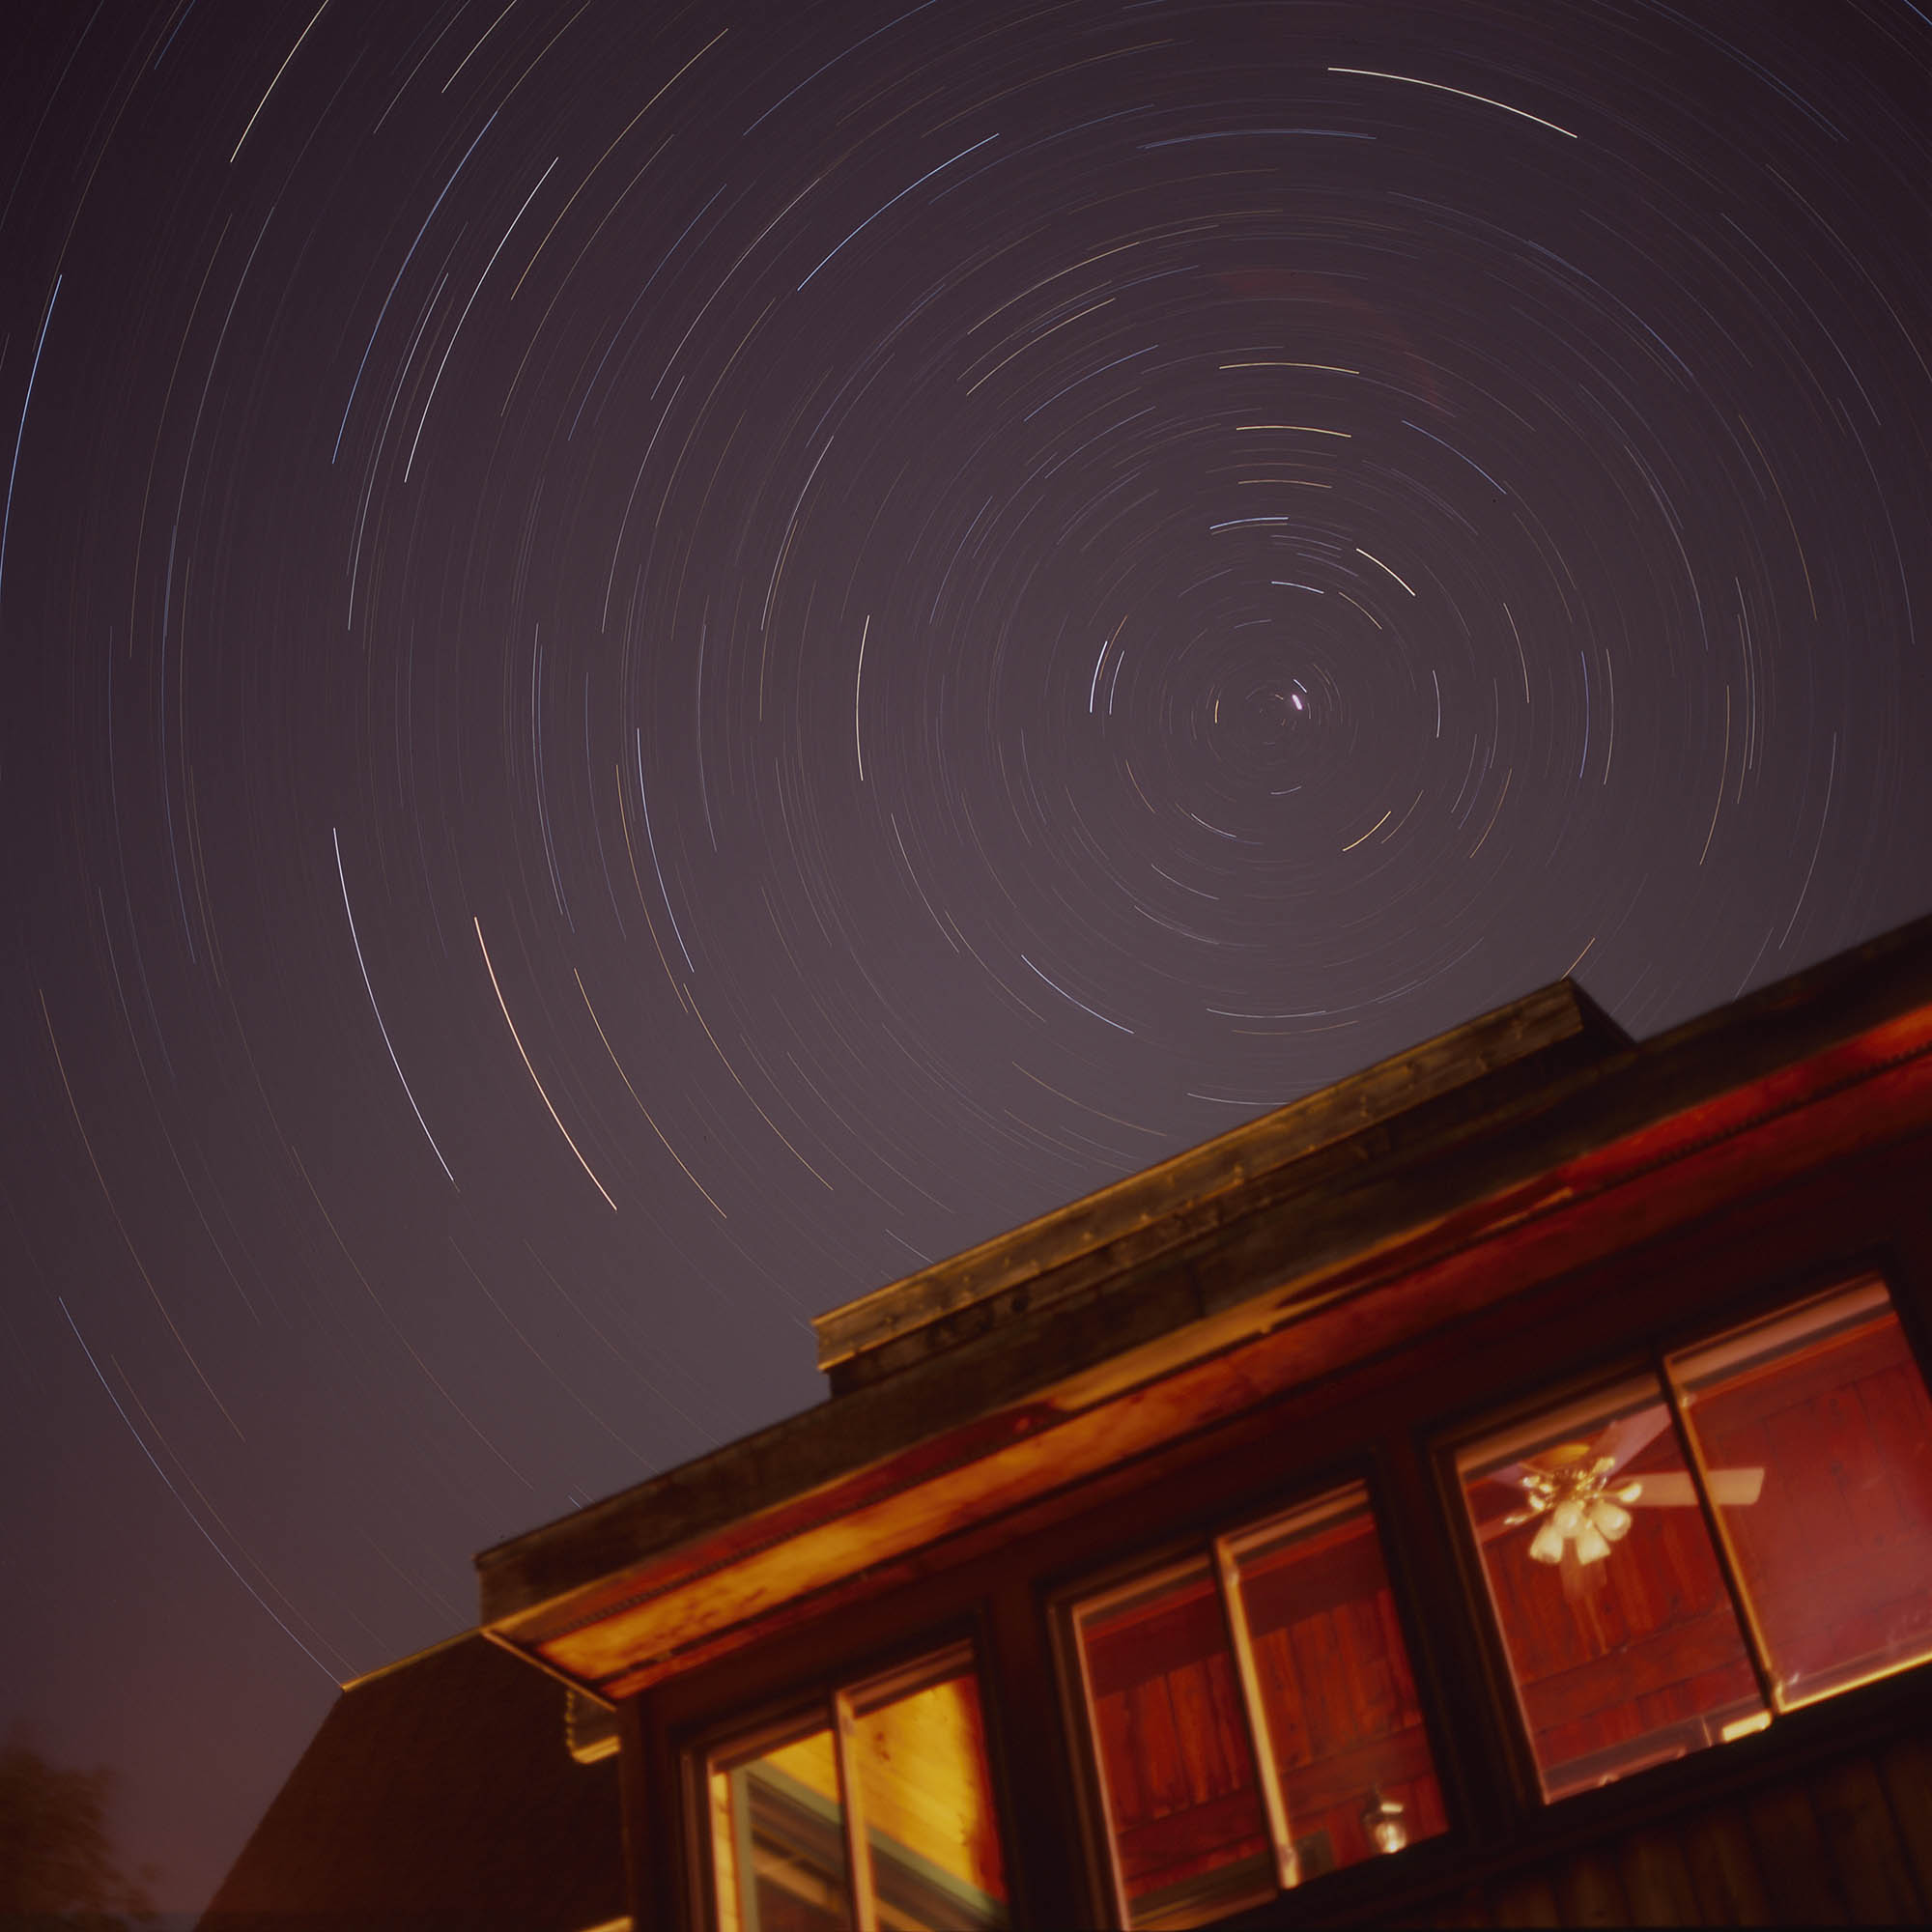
(437, 1793)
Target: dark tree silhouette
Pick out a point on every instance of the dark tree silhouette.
(58, 1868)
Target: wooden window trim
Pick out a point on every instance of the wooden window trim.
(1260, 1741)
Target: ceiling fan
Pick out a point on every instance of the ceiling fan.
(1573, 1489)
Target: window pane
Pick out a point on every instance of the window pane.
(925, 1798)
(1619, 1630)
(1332, 1678)
(777, 1839)
(1816, 1440)
(1188, 1838)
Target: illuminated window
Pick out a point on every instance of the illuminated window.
(1814, 1435)
(1810, 1440)
(1252, 1718)
(874, 1814)
(1621, 1635)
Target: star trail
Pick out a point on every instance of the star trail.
(663, 661)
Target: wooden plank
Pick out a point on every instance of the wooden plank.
(1464, 1908)
(1589, 1891)
(1213, 1738)
(1657, 1881)
(1540, 1020)
(1180, 1630)
(1218, 1831)
(1525, 1900)
(1790, 1853)
(1664, 1657)
(1344, 1567)
(1906, 1768)
(1154, 1746)
(1128, 1798)
(1855, 1820)
(1349, 1777)
(1721, 1862)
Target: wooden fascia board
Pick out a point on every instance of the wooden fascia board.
(1203, 1174)
(632, 1629)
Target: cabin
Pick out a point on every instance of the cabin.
(1495, 1490)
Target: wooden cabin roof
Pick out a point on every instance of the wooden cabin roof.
(1520, 1144)
(438, 1793)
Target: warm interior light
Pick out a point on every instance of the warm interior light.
(1621, 1639)
(1387, 1824)
(1612, 1519)
(1569, 1486)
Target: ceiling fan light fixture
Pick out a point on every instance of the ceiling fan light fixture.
(1591, 1547)
(1548, 1546)
(1611, 1519)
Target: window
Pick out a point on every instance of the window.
(1252, 1718)
(872, 1813)
(1621, 1636)
(1814, 1437)
(1806, 1439)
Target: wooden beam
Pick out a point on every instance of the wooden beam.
(1550, 1017)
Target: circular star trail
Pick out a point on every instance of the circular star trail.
(663, 663)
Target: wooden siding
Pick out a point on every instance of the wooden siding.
(1848, 1843)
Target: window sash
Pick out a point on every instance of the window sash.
(1222, 1566)
(1684, 1377)
(723, 1775)
(1700, 1375)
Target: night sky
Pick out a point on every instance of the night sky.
(661, 662)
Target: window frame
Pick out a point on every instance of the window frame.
(1781, 1707)
(822, 1698)
(1389, 1436)
(1207, 1541)
(1646, 1351)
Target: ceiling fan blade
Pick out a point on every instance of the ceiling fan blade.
(1669, 1488)
(1732, 1488)
(1624, 1439)
(1672, 1489)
